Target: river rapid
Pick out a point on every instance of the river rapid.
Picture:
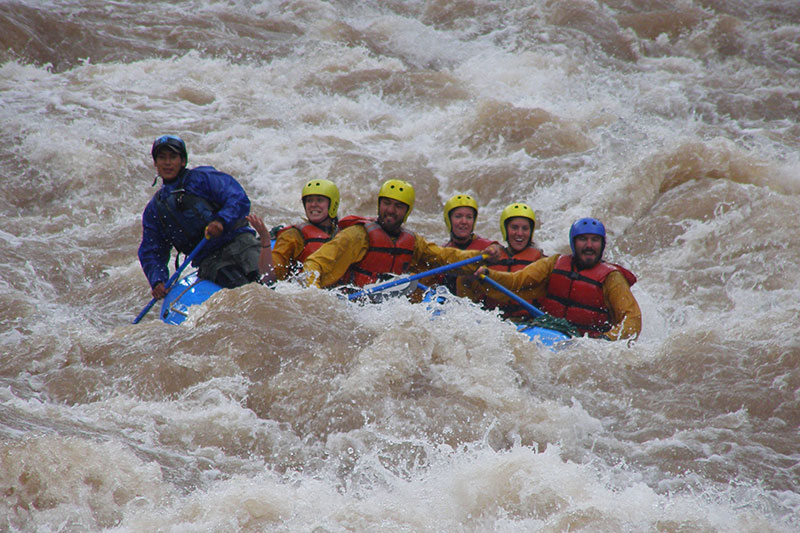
(676, 123)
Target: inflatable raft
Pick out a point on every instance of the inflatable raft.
(190, 290)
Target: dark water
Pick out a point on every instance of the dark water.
(290, 410)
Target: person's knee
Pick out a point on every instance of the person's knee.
(232, 276)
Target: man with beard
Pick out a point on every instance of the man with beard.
(368, 250)
(593, 295)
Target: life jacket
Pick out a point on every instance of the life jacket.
(313, 238)
(578, 295)
(183, 216)
(384, 256)
(449, 279)
(517, 261)
(512, 263)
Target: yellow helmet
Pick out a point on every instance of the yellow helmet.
(325, 188)
(516, 210)
(459, 200)
(399, 190)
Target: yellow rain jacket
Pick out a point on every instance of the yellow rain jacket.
(288, 245)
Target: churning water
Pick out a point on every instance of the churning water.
(676, 123)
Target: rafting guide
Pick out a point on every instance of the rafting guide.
(193, 206)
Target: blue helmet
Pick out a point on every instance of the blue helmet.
(173, 142)
(586, 226)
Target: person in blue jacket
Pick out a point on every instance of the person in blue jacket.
(191, 205)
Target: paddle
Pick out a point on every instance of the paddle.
(414, 277)
(173, 278)
(527, 306)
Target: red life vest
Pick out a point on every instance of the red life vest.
(518, 261)
(313, 236)
(578, 295)
(385, 255)
(476, 243)
(449, 280)
(512, 263)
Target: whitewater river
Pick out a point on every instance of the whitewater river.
(675, 122)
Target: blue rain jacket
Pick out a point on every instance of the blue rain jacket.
(175, 219)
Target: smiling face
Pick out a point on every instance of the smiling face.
(391, 214)
(316, 207)
(588, 250)
(168, 164)
(462, 222)
(519, 232)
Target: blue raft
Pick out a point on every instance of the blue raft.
(548, 337)
(188, 291)
(191, 290)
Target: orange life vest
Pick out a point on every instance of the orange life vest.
(512, 263)
(578, 295)
(385, 255)
(313, 238)
(517, 261)
(449, 280)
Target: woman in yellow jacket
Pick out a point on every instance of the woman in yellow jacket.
(293, 244)
(517, 225)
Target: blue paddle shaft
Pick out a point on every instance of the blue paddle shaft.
(409, 279)
(527, 306)
(172, 279)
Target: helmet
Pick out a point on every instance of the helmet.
(459, 200)
(172, 142)
(516, 210)
(399, 190)
(325, 188)
(586, 226)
